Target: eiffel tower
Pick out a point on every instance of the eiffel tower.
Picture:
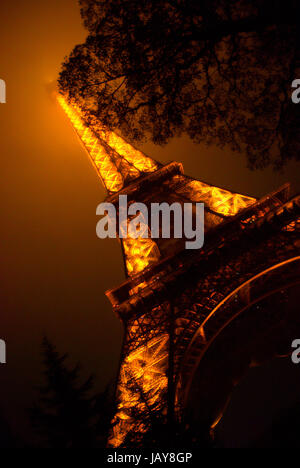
(195, 320)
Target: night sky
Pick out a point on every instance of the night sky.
(54, 270)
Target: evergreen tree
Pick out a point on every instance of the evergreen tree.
(66, 415)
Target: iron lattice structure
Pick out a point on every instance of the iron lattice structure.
(182, 308)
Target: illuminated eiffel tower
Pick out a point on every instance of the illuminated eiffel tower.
(195, 320)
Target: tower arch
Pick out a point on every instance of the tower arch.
(256, 321)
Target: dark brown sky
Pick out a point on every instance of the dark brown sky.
(54, 270)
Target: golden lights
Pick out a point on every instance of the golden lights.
(219, 200)
(142, 372)
(118, 163)
(115, 160)
(140, 252)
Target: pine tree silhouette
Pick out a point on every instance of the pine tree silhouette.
(66, 415)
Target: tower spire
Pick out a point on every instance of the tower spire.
(117, 162)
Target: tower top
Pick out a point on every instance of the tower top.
(117, 162)
(124, 169)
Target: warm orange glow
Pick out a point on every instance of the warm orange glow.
(111, 177)
(293, 225)
(118, 163)
(219, 200)
(115, 160)
(139, 160)
(147, 367)
(141, 252)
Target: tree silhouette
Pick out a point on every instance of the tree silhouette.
(218, 70)
(66, 415)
